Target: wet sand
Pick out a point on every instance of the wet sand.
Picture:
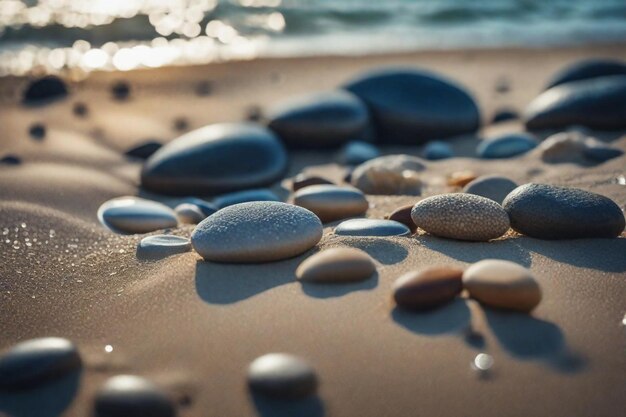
(193, 326)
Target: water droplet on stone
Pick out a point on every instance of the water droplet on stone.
(108, 348)
(482, 362)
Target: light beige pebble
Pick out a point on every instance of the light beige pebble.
(337, 265)
(563, 147)
(189, 213)
(502, 284)
(331, 202)
(389, 175)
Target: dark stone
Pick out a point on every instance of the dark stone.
(428, 288)
(204, 88)
(403, 215)
(120, 90)
(37, 131)
(181, 124)
(254, 114)
(45, 90)
(503, 85)
(410, 107)
(10, 160)
(80, 109)
(126, 395)
(282, 375)
(303, 180)
(216, 159)
(144, 150)
(322, 120)
(504, 115)
(550, 212)
(357, 152)
(205, 207)
(597, 103)
(506, 146)
(258, 194)
(437, 150)
(587, 69)
(600, 152)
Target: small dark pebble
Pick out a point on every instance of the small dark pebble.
(44, 90)
(80, 109)
(303, 180)
(348, 177)
(504, 115)
(37, 131)
(120, 90)
(144, 150)
(204, 88)
(254, 113)
(503, 85)
(10, 160)
(403, 215)
(181, 124)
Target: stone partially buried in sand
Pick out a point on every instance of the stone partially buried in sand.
(136, 215)
(161, 246)
(427, 288)
(336, 265)
(282, 375)
(35, 361)
(586, 69)
(409, 107)
(550, 212)
(44, 90)
(129, 395)
(598, 151)
(331, 202)
(502, 284)
(371, 228)
(506, 146)
(437, 150)
(257, 194)
(389, 175)
(403, 215)
(216, 159)
(493, 187)
(461, 216)
(563, 147)
(304, 180)
(260, 231)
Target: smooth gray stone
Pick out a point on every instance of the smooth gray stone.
(437, 150)
(189, 213)
(331, 202)
(259, 194)
(597, 103)
(506, 146)
(504, 115)
(128, 395)
(599, 151)
(357, 152)
(371, 227)
(144, 150)
(282, 375)
(259, 231)
(320, 120)
(204, 206)
(216, 159)
(160, 246)
(411, 106)
(549, 212)
(136, 215)
(493, 187)
(35, 361)
(586, 69)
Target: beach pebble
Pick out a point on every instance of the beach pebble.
(461, 216)
(205, 207)
(304, 180)
(36, 361)
(80, 109)
(120, 90)
(336, 265)
(411, 106)
(427, 288)
(403, 215)
(437, 150)
(236, 197)
(136, 215)
(563, 147)
(144, 150)
(461, 178)
(504, 115)
(259, 231)
(599, 151)
(388, 175)
(10, 160)
(216, 159)
(357, 152)
(371, 227)
(161, 246)
(189, 213)
(44, 90)
(37, 131)
(550, 212)
(506, 146)
(282, 375)
(586, 69)
(502, 284)
(597, 103)
(331, 202)
(493, 187)
(320, 120)
(129, 395)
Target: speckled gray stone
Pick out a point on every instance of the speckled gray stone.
(550, 212)
(461, 216)
(336, 265)
(357, 152)
(282, 375)
(136, 215)
(331, 202)
(128, 395)
(371, 227)
(493, 187)
(259, 231)
(388, 175)
(160, 246)
(35, 361)
(257, 194)
(189, 213)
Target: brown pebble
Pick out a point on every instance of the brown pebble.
(427, 288)
(336, 265)
(461, 178)
(303, 180)
(403, 215)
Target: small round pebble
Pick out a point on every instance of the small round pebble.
(502, 284)
(136, 215)
(160, 246)
(427, 288)
(371, 227)
(331, 202)
(461, 178)
(461, 216)
(129, 395)
(303, 180)
(189, 213)
(493, 187)
(10, 160)
(80, 109)
(389, 175)
(259, 231)
(563, 147)
(35, 361)
(504, 115)
(120, 90)
(437, 150)
(45, 89)
(403, 215)
(336, 265)
(357, 152)
(282, 375)
(506, 146)
(37, 131)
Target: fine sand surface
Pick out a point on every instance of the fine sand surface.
(193, 326)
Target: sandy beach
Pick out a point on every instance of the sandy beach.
(193, 326)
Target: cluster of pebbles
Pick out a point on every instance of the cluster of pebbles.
(246, 223)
